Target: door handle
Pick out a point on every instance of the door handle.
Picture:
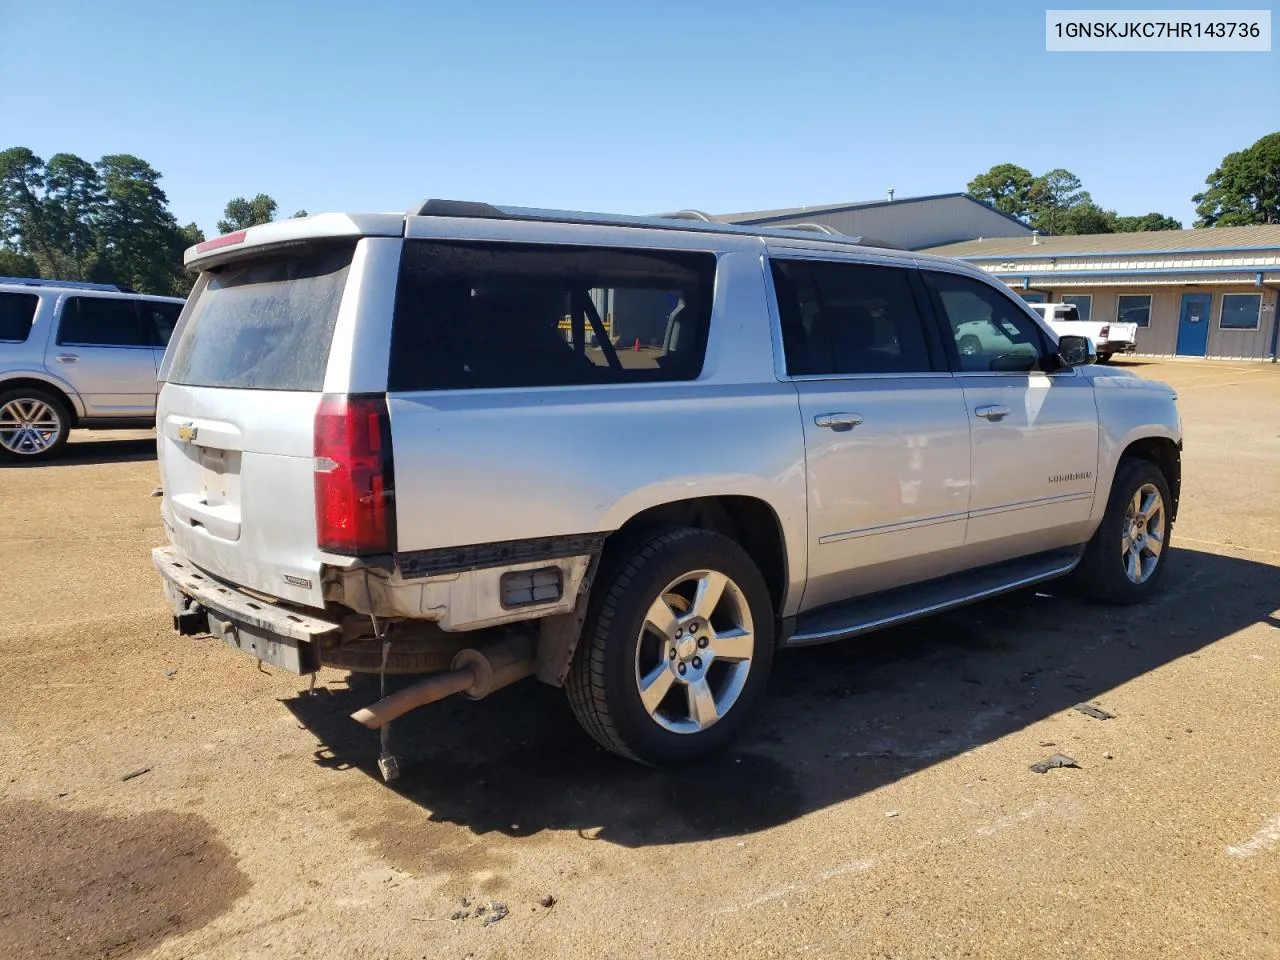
(993, 411)
(67, 358)
(838, 421)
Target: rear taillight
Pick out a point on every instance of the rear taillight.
(1105, 331)
(355, 498)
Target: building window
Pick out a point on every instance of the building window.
(1135, 308)
(1083, 302)
(1240, 311)
(1033, 296)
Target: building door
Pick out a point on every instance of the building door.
(1193, 325)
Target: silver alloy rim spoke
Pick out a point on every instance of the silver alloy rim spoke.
(733, 645)
(1142, 539)
(656, 684)
(1154, 544)
(710, 589)
(28, 426)
(702, 704)
(697, 639)
(661, 618)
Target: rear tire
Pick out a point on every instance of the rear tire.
(34, 425)
(1123, 562)
(676, 649)
(1104, 358)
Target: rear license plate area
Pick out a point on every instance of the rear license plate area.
(215, 470)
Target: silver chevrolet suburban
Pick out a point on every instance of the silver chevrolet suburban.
(631, 457)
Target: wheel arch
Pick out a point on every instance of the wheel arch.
(1166, 454)
(749, 521)
(70, 399)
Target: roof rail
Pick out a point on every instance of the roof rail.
(690, 220)
(76, 284)
(688, 215)
(813, 228)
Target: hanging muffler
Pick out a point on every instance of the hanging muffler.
(475, 673)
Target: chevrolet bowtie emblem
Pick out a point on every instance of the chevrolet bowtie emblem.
(187, 432)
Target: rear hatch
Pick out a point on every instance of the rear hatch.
(236, 415)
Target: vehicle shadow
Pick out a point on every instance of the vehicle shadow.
(92, 452)
(840, 720)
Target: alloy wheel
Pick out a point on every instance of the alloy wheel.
(694, 652)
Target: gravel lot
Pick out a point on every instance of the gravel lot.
(882, 807)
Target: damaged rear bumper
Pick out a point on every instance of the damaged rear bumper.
(280, 636)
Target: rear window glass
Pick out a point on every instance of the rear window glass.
(17, 310)
(265, 324)
(474, 315)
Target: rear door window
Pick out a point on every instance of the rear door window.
(487, 315)
(17, 311)
(101, 322)
(848, 318)
(265, 323)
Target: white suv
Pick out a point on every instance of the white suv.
(628, 456)
(76, 355)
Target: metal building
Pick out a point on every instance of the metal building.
(910, 223)
(1193, 293)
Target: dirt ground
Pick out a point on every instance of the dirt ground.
(883, 805)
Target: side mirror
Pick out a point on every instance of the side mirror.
(1075, 351)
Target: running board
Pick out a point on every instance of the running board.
(839, 621)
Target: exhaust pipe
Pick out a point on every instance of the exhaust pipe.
(475, 673)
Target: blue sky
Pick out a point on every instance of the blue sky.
(630, 108)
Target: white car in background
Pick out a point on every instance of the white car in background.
(1108, 338)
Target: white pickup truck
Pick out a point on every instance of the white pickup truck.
(1108, 338)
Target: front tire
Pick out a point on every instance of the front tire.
(34, 425)
(676, 648)
(1124, 560)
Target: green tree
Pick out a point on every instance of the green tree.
(1007, 187)
(1244, 189)
(138, 236)
(1051, 195)
(15, 264)
(74, 220)
(241, 214)
(183, 239)
(73, 200)
(299, 213)
(24, 221)
(1148, 221)
(1086, 217)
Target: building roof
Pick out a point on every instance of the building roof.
(790, 213)
(1261, 237)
